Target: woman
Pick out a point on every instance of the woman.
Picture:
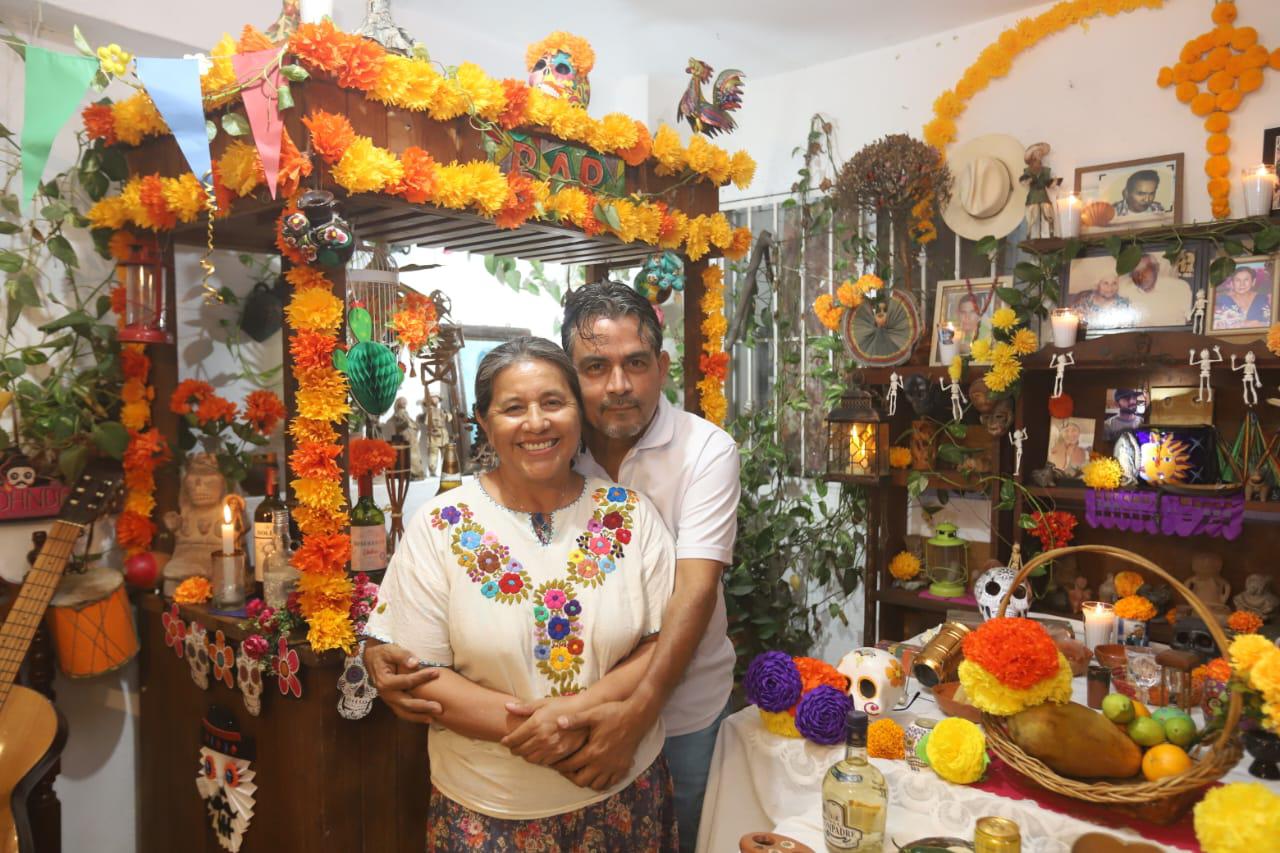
(1241, 303)
(1066, 454)
(532, 582)
(1103, 307)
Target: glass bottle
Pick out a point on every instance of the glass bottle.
(263, 526)
(279, 577)
(450, 470)
(368, 531)
(855, 798)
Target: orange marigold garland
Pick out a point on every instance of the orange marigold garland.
(714, 325)
(145, 452)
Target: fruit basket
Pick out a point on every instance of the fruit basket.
(1164, 800)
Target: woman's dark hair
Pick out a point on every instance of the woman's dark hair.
(607, 300)
(514, 351)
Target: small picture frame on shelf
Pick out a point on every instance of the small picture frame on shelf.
(1133, 194)
(1156, 295)
(1070, 440)
(1126, 409)
(968, 305)
(1178, 406)
(1244, 302)
(1271, 156)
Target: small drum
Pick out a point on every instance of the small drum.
(92, 623)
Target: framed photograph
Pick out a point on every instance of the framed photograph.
(1126, 409)
(1144, 193)
(1177, 406)
(967, 305)
(1070, 440)
(1271, 156)
(1244, 302)
(1156, 295)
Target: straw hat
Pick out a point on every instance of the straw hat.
(988, 199)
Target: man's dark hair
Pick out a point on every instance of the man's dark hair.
(607, 300)
(1142, 175)
(1121, 393)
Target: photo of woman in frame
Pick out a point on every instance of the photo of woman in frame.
(1244, 301)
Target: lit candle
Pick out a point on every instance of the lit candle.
(1068, 215)
(228, 531)
(313, 11)
(948, 342)
(1259, 188)
(1099, 623)
(1066, 325)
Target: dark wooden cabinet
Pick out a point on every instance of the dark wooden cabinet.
(324, 783)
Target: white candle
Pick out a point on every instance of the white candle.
(1259, 187)
(1099, 623)
(1068, 215)
(948, 342)
(1066, 325)
(313, 11)
(228, 531)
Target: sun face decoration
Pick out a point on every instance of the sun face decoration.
(1167, 460)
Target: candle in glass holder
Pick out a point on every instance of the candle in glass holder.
(228, 531)
(948, 343)
(1099, 624)
(1069, 208)
(314, 11)
(1066, 325)
(1259, 189)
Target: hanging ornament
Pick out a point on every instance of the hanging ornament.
(318, 232)
(659, 276)
(379, 26)
(263, 313)
(225, 779)
(371, 367)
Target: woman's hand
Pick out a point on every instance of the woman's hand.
(540, 738)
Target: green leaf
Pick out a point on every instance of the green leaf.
(14, 366)
(1027, 271)
(1267, 240)
(986, 247)
(296, 73)
(95, 184)
(950, 454)
(606, 213)
(1234, 248)
(1011, 297)
(81, 44)
(9, 228)
(1026, 522)
(1222, 268)
(77, 320)
(1113, 244)
(111, 438)
(490, 264)
(31, 355)
(10, 261)
(71, 462)
(1128, 259)
(235, 124)
(61, 249)
(284, 97)
(24, 290)
(1072, 249)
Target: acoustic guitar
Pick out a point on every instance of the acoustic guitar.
(31, 730)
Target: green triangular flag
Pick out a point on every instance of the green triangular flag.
(55, 84)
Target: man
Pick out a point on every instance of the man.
(1131, 403)
(970, 321)
(689, 469)
(1139, 195)
(1155, 299)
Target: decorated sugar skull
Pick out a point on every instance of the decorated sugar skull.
(19, 474)
(990, 588)
(357, 692)
(197, 653)
(877, 681)
(559, 64)
(224, 778)
(249, 678)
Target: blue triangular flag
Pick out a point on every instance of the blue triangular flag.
(174, 87)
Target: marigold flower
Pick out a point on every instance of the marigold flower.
(322, 555)
(1242, 817)
(417, 182)
(314, 309)
(134, 530)
(370, 456)
(194, 590)
(331, 134)
(1135, 607)
(330, 629)
(886, 739)
(263, 411)
(899, 457)
(188, 394)
(1244, 622)
(905, 565)
(322, 394)
(957, 750)
(1004, 318)
(100, 122)
(364, 167)
(215, 409)
(314, 460)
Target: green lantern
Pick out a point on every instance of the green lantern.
(947, 562)
(371, 368)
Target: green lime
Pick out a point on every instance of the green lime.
(1117, 707)
(1146, 731)
(1168, 713)
(1180, 731)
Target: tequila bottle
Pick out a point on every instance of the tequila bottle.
(855, 798)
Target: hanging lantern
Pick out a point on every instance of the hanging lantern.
(857, 440)
(146, 315)
(946, 558)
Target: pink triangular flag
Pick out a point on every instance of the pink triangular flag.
(261, 103)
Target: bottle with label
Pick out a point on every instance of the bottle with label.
(855, 798)
(279, 577)
(368, 531)
(263, 529)
(450, 470)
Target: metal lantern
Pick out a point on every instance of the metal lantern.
(146, 316)
(857, 440)
(946, 559)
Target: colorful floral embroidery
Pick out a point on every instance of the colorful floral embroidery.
(608, 530)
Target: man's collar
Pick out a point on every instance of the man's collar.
(661, 429)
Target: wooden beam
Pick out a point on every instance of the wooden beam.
(693, 290)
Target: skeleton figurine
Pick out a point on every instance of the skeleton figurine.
(1204, 394)
(1016, 438)
(1196, 315)
(1250, 377)
(958, 398)
(891, 399)
(1060, 363)
(357, 692)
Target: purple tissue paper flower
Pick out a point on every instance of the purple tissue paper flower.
(772, 681)
(820, 716)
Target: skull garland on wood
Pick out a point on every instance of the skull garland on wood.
(357, 691)
(991, 587)
(249, 678)
(197, 649)
(224, 778)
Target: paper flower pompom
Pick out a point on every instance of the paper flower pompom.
(987, 693)
(780, 723)
(772, 681)
(1018, 652)
(194, 590)
(1102, 473)
(1135, 607)
(885, 739)
(820, 716)
(904, 566)
(957, 750)
(899, 457)
(1243, 817)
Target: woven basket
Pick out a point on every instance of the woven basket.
(1162, 801)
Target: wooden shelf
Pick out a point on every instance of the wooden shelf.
(1147, 350)
(912, 598)
(1194, 231)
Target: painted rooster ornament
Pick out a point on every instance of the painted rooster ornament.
(711, 117)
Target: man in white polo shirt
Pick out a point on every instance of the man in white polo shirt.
(688, 467)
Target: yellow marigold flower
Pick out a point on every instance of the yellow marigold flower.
(980, 349)
(948, 105)
(194, 590)
(957, 750)
(1246, 650)
(569, 204)
(1242, 817)
(315, 309)
(905, 565)
(698, 238)
(827, 312)
(1003, 352)
(849, 294)
(310, 429)
(135, 415)
(366, 168)
(322, 394)
(140, 502)
(321, 494)
(240, 168)
(678, 231)
(320, 522)
(1002, 375)
(488, 99)
(110, 212)
(780, 723)
(185, 196)
(617, 131)
(955, 368)
(448, 100)
(1004, 319)
(1025, 342)
(1136, 607)
(114, 60)
(868, 282)
(330, 629)
(721, 232)
(478, 184)
(742, 169)
(1102, 473)
(1273, 339)
(136, 117)
(1265, 675)
(420, 85)
(886, 739)
(899, 457)
(668, 151)
(392, 85)
(324, 591)
(989, 694)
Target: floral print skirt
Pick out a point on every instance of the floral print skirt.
(640, 817)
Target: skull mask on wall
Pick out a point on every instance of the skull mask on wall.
(559, 64)
(990, 588)
(224, 778)
(877, 681)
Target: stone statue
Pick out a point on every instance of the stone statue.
(1107, 589)
(435, 436)
(1206, 579)
(1257, 598)
(197, 526)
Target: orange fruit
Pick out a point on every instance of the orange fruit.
(1164, 760)
(1140, 710)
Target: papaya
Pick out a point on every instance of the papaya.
(1075, 741)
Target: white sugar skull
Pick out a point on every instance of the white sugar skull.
(357, 692)
(249, 677)
(877, 681)
(225, 777)
(990, 588)
(197, 652)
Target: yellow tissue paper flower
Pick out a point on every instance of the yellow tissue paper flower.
(986, 693)
(1102, 473)
(955, 368)
(905, 565)
(314, 309)
(780, 723)
(366, 168)
(1243, 817)
(957, 750)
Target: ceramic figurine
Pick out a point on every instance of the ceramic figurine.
(980, 396)
(1039, 180)
(1016, 438)
(1206, 362)
(435, 436)
(1196, 315)
(1249, 378)
(1045, 478)
(1107, 589)
(1206, 579)
(958, 398)
(197, 526)
(1255, 488)
(711, 117)
(1079, 594)
(1060, 363)
(379, 26)
(891, 399)
(1257, 598)
(559, 64)
(400, 428)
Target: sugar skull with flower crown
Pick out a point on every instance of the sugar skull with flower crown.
(559, 64)
(225, 777)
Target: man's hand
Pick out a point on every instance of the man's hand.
(605, 760)
(540, 739)
(395, 672)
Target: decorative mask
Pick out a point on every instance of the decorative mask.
(989, 590)
(998, 419)
(224, 778)
(318, 232)
(1191, 635)
(925, 397)
(19, 476)
(559, 64)
(357, 693)
(197, 651)
(877, 681)
(249, 677)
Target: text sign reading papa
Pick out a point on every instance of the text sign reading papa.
(547, 159)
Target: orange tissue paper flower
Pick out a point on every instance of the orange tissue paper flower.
(263, 411)
(1019, 653)
(417, 182)
(370, 456)
(312, 349)
(100, 122)
(215, 408)
(814, 672)
(305, 278)
(188, 394)
(315, 309)
(316, 461)
(134, 530)
(323, 554)
(1135, 607)
(331, 134)
(194, 590)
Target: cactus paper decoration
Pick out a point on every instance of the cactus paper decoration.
(371, 368)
